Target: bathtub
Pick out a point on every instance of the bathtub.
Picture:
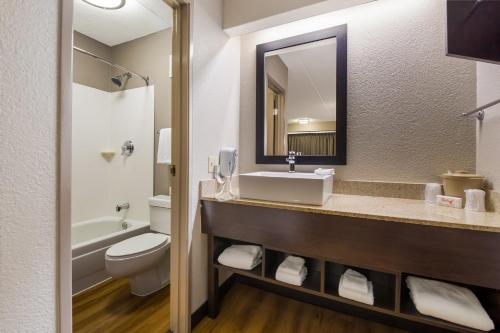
(89, 242)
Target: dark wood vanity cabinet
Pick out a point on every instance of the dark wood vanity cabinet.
(384, 251)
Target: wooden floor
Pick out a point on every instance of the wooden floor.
(249, 310)
(111, 308)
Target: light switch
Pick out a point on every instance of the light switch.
(212, 162)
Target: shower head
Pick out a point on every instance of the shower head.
(118, 80)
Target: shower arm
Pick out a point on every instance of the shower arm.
(145, 78)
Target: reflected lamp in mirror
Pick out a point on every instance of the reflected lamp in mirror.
(301, 98)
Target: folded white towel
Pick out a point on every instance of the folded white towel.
(241, 256)
(292, 265)
(164, 146)
(324, 172)
(449, 302)
(366, 298)
(293, 279)
(355, 281)
(356, 295)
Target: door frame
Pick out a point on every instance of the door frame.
(180, 307)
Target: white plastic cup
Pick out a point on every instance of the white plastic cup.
(432, 190)
(475, 200)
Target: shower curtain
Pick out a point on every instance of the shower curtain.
(313, 144)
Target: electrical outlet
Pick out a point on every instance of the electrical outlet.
(213, 161)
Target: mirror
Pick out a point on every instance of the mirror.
(301, 98)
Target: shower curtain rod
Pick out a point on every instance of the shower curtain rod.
(145, 78)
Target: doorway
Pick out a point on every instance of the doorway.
(123, 78)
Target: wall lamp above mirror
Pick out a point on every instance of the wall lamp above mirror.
(302, 98)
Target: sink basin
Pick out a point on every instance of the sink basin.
(302, 188)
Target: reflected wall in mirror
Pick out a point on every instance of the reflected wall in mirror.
(301, 98)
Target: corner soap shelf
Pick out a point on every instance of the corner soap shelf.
(108, 154)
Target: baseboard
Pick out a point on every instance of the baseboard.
(388, 320)
(202, 311)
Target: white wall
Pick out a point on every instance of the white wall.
(132, 118)
(243, 16)
(404, 98)
(28, 167)
(89, 171)
(104, 121)
(214, 121)
(488, 131)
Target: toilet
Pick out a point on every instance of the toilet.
(144, 259)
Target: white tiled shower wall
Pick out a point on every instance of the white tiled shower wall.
(104, 121)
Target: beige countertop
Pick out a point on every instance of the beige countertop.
(390, 210)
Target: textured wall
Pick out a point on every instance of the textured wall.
(214, 120)
(488, 134)
(28, 167)
(404, 95)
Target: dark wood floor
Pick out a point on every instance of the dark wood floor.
(111, 308)
(249, 310)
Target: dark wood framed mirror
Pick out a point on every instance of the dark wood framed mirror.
(302, 98)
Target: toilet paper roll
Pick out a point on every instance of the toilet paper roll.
(431, 191)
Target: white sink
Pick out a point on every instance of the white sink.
(297, 187)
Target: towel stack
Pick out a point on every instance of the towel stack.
(355, 286)
(292, 271)
(449, 302)
(241, 256)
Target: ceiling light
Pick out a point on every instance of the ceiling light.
(106, 4)
(303, 121)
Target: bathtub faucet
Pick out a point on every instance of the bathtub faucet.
(122, 206)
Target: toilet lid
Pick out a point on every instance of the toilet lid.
(137, 244)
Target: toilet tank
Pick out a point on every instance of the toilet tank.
(159, 214)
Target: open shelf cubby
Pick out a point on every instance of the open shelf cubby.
(274, 258)
(489, 298)
(384, 284)
(220, 244)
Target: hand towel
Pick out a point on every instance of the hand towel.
(292, 265)
(448, 302)
(241, 256)
(355, 281)
(366, 298)
(165, 146)
(294, 279)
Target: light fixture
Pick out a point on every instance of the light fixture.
(303, 121)
(106, 4)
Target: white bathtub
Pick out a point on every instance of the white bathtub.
(89, 242)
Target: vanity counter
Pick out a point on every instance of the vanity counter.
(388, 238)
(390, 210)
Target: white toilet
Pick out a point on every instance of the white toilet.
(145, 259)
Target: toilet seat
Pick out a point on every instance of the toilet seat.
(138, 245)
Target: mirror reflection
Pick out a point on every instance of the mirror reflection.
(300, 99)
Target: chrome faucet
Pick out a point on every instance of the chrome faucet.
(291, 160)
(122, 206)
